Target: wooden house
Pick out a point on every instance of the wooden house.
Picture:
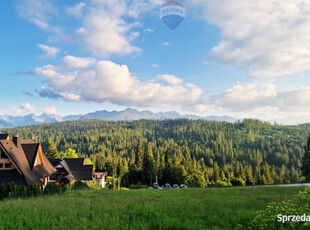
(23, 162)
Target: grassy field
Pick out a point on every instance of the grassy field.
(214, 208)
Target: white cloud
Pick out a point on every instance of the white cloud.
(23, 108)
(155, 65)
(166, 43)
(105, 33)
(247, 96)
(149, 30)
(173, 80)
(27, 107)
(69, 62)
(48, 70)
(268, 38)
(76, 10)
(38, 12)
(105, 28)
(110, 82)
(258, 100)
(52, 110)
(49, 50)
(71, 97)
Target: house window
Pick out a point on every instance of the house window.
(8, 165)
(1, 166)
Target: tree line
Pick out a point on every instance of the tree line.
(195, 152)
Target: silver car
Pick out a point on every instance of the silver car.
(167, 185)
(183, 186)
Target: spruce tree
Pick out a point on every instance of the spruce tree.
(148, 165)
(306, 161)
(51, 150)
(139, 155)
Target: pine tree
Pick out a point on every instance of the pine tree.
(139, 155)
(148, 164)
(306, 161)
(51, 151)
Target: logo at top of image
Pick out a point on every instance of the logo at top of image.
(172, 13)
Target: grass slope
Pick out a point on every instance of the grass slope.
(214, 208)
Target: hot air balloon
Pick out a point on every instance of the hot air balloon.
(172, 13)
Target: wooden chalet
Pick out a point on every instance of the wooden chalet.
(23, 162)
(70, 170)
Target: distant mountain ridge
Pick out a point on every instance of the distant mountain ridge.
(128, 115)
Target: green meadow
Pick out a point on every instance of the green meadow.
(212, 208)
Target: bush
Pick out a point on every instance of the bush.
(220, 183)
(12, 190)
(267, 219)
(80, 185)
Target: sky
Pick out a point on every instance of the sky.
(242, 58)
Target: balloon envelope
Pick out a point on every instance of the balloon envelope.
(172, 13)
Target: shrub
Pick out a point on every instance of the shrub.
(268, 218)
(80, 185)
(12, 190)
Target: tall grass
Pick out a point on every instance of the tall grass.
(214, 208)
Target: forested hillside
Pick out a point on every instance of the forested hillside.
(195, 152)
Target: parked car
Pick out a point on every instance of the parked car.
(176, 186)
(183, 186)
(167, 185)
(156, 186)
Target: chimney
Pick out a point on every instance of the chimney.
(16, 141)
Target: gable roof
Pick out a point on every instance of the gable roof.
(78, 169)
(23, 162)
(83, 173)
(100, 175)
(31, 151)
(54, 162)
(74, 163)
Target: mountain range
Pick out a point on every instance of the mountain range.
(128, 115)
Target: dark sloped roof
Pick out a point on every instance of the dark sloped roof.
(54, 162)
(41, 171)
(78, 169)
(31, 151)
(49, 167)
(19, 158)
(4, 136)
(83, 173)
(74, 163)
(8, 176)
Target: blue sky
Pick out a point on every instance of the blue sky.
(235, 58)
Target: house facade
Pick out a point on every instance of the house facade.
(69, 170)
(101, 178)
(23, 162)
